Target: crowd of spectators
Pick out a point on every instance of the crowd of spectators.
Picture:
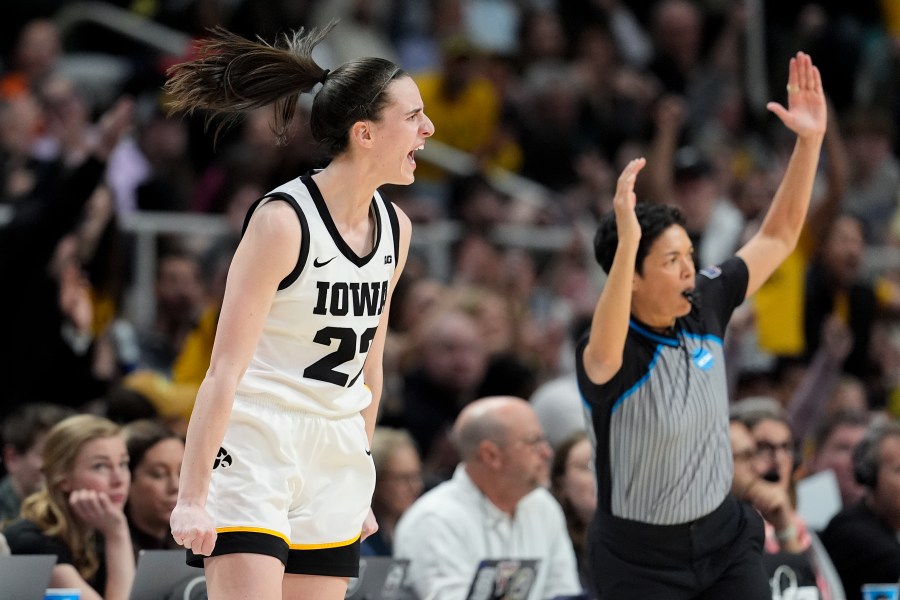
(561, 92)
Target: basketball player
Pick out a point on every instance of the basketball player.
(277, 475)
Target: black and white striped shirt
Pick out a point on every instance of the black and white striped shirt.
(663, 453)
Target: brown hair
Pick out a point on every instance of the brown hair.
(234, 75)
(22, 428)
(577, 528)
(49, 507)
(386, 442)
(142, 435)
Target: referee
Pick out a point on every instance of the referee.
(652, 371)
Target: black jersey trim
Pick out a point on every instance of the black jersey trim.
(304, 240)
(249, 214)
(618, 402)
(303, 255)
(602, 423)
(395, 227)
(661, 339)
(322, 208)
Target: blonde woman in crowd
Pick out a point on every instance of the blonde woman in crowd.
(79, 516)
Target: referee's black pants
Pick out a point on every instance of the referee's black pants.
(716, 557)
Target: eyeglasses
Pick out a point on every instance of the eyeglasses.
(745, 455)
(768, 449)
(536, 442)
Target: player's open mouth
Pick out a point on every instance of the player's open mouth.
(411, 156)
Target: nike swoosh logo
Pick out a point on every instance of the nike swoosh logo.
(318, 264)
(369, 452)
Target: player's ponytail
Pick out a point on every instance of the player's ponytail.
(233, 75)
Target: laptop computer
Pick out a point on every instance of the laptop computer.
(503, 579)
(380, 578)
(25, 576)
(159, 572)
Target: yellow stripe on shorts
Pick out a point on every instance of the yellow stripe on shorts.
(323, 546)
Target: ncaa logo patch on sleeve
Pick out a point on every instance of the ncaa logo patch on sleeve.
(711, 272)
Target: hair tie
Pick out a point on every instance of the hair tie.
(324, 76)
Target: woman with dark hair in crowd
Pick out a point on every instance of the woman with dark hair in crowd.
(155, 454)
(573, 484)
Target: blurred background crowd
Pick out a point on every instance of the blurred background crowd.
(118, 222)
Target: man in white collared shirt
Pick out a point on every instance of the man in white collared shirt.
(495, 506)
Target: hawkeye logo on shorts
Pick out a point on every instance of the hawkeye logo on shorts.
(223, 459)
(703, 358)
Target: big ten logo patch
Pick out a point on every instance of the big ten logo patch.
(223, 459)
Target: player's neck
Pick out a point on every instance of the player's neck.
(346, 190)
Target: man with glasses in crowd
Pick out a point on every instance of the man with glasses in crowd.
(768, 497)
(495, 506)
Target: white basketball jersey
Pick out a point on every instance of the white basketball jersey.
(322, 321)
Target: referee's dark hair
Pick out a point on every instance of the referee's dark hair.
(653, 219)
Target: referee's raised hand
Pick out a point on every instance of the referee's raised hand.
(806, 113)
(625, 200)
